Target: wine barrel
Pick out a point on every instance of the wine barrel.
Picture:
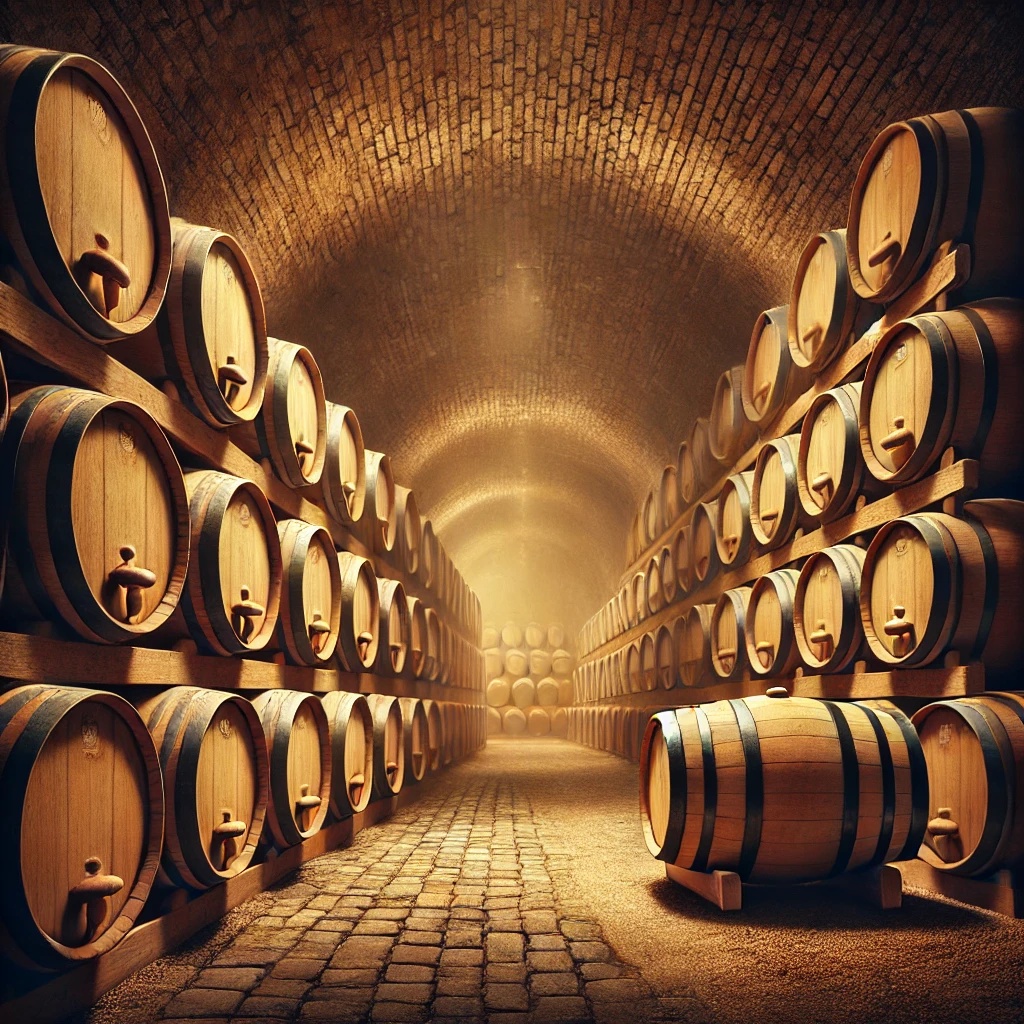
(516, 663)
(76, 468)
(416, 662)
(299, 744)
(432, 664)
(826, 609)
(776, 512)
(770, 378)
(427, 570)
(668, 497)
(310, 619)
(393, 628)
(490, 637)
(734, 538)
(934, 583)
(556, 635)
(511, 635)
(444, 663)
(929, 180)
(650, 517)
(343, 483)
(824, 787)
(634, 671)
(547, 692)
(561, 662)
(627, 598)
(654, 595)
(648, 663)
(513, 721)
(388, 745)
(210, 339)
(730, 432)
(540, 662)
(697, 468)
(415, 739)
(538, 723)
(435, 733)
(769, 633)
(524, 692)
(681, 560)
(947, 380)
(729, 634)
(216, 778)
(494, 663)
(494, 726)
(233, 589)
(665, 654)
(560, 722)
(974, 750)
(694, 647)
(830, 469)
(82, 198)
(359, 630)
(825, 313)
(640, 596)
(499, 692)
(408, 528)
(83, 813)
(290, 430)
(704, 560)
(351, 728)
(535, 635)
(380, 501)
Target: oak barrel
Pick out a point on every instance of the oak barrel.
(76, 468)
(494, 663)
(561, 662)
(408, 529)
(351, 727)
(216, 778)
(499, 692)
(782, 790)
(704, 560)
(648, 663)
(534, 635)
(82, 197)
(681, 559)
(668, 497)
(299, 746)
(547, 692)
(952, 176)
(432, 663)
(343, 482)
(734, 537)
(388, 745)
(435, 733)
(540, 662)
(827, 609)
(667, 572)
(82, 804)
(538, 722)
(393, 627)
(524, 692)
(934, 583)
(416, 739)
(634, 669)
(511, 635)
(665, 656)
(770, 378)
(490, 637)
(310, 619)
(516, 663)
(427, 569)
(560, 722)
(697, 468)
(730, 432)
(416, 661)
(494, 723)
(694, 647)
(359, 634)
(770, 636)
(776, 511)
(654, 596)
(728, 634)
(948, 380)
(556, 635)
(513, 721)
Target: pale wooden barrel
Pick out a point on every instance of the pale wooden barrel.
(494, 726)
(694, 647)
(776, 512)
(547, 692)
(216, 779)
(435, 732)
(830, 468)
(83, 803)
(408, 528)
(499, 692)
(494, 663)
(728, 634)
(770, 378)
(825, 313)
(734, 537)
(540, 662)
(538, 723)
(640, 596)
(668, 497)
(416, 739)
(654, 595)
(782, 790)
(359, 632)
(80, 552)
(416, 661)
(516, 663)
(524, 692)
(974, 750)
(927, 180)
(511, 635)
(343, 483)
(648, 663)
(665, 655)
(513, 721)
(393, 628)
(290, 430)
(627, 598)
(388, 745)
(233, 589)
(351, 728)
(490, 637)
(535, 635)
(560, 722)
(667, 572)
(770, 637)
(650, 517)
(380, 501)
(681, 559)
(730, 432)
(942, 380)
(82, 198)
(634, 671)
(933, 584)
(826, 609)
(556, 635)
(697, 468)
(428, 560)
(561, 662)
(704, 560)
(433, 663)
(299, 745)
(310, 619)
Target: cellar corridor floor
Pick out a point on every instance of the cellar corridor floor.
(519, 889)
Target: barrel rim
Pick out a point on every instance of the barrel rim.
(846, 647)
(848, 486)
(842, 308)
(337, 502)
(293, 634)
(336, 704)
(791, 508)
(778, 317)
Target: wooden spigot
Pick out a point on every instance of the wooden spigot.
(113, 273)
(727, 656)
(731, 541)
(812, 337)
(224, 836)
(769, 520)
(89, 903)
(363, 641)
(944, 835)
(901, 629)
(133, 580)
(886, 252)
(822, 484)
(899, 442)
(762, 393)
(391, 769)
(824, 639)
(303, 450)
(306, 802)
(246, 611)
(765, 653)
(776, 692)
(355, 787)
(230, 374)
(319, 629)
(397, 650)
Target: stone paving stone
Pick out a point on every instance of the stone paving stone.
(580, 930)
(268, 1006)
(203, 1002)
(505, 973)
(593, 952)
(349, 978)
(409, 972)
(457, 1006)
(296, 969)
(504, 946)
(560, 1009)
(282, 987)
(558, 984)
(506, 997)
(418, 938)
(376, 928)
(597, 972)
(240, 979)
(459, 981)
(540, 922)
(404, 992)
(549, 961)
(613, 989)
(462, 958)
(406, 1013)
(410, 954)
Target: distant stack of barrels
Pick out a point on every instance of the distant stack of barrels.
(529, 673)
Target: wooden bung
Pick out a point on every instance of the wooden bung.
(782, 789)
(776, 511)
(359, 633)
(388, 745)
(82, 199)
(730, 431)
(299, 747)
(83, 801)
(826, 609)
(351, 727)
(79, 551)
(770, 636)
(342, 487)
(952, 176)
(770, 378)
(694, 647)
(415, 738)
(216, 779)
(728, 634)
(733, 535)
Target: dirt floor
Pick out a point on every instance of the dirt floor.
(520, 889)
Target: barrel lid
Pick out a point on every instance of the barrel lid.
(726, 636)
(767, 366)
(245, 549)
(321, 596)
(733, 516)
(823, 614)
(827, 450)
(768, 493)
(764, 624)
(820, 281)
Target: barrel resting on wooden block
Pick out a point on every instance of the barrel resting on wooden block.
(1001, 892)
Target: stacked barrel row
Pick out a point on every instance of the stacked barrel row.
(529, 673)
(121, 546)
(110, 801)
(923, 589)
(784, 789)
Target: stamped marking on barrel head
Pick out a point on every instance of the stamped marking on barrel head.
(945, 734)
(224, 725)
(126, 438)
(90, 737)
(887, 158)
(98, 120)
(244, 515)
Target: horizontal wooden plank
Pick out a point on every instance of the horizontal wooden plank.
(35, 659)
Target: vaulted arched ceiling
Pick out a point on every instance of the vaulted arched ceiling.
(523, 238)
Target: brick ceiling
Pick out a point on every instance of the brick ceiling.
(523, 239)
